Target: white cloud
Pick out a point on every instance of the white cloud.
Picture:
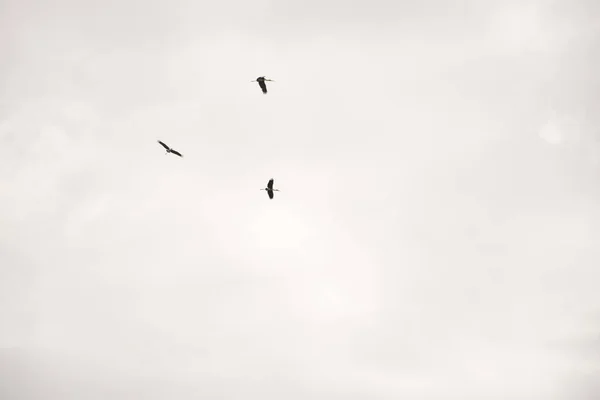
(424, 243)
(551, 133)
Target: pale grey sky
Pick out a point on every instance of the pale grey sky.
(435, 236)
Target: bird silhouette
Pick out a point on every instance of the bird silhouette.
(270, 189)
(261, 82)
(169, 150)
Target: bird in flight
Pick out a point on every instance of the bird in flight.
(169, 150)
(270, 189)
(261, 82)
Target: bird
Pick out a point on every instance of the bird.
(261, 82)
(169, 150)
(270, 189)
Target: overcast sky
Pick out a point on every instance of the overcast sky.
(436, 233)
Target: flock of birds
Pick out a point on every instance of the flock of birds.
(263, 86)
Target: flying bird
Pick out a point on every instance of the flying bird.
(169, 150)
(270, 189)
(261, 82)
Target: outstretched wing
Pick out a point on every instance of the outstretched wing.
(176, 152)
(270, 184)
(163, 145)
(270, 192)
(263, 86)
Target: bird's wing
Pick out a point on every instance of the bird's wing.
(176, 152)
(263, 86)
(270, 184)
(270, 192)
(163, 145)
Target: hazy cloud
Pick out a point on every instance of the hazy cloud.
(428, 242)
